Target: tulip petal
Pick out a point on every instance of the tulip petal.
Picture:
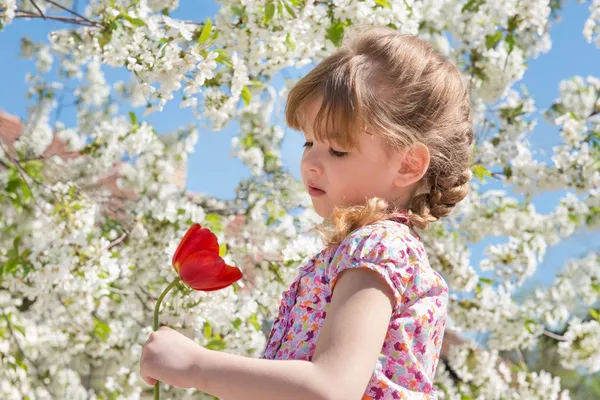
(195, 239)
(229, 276)
(204, 270)
(191, 231)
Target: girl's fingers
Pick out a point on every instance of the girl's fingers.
(146, 378)
(149, 380)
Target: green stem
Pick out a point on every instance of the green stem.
(156, 309)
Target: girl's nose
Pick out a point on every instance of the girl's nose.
(312, 164)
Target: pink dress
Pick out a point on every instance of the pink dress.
(410, 352)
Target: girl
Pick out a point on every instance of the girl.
(388, 147)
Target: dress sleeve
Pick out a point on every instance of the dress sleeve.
(384, 249)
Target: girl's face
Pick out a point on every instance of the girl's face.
(335, 176)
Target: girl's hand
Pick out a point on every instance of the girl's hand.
(172, 358)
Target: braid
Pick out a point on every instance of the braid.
(404, 91)
(447, 191)
(448, 182)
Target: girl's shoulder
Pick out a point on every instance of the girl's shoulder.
(392, 232)
(393, 250)
(386, 239)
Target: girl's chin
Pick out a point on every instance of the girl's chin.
(321, 211)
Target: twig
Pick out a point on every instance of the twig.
(146, 306)
(110, 245)
(117, 241)
(22, 175)
(70, 11)
(25, 356)
(75, 21)
(60, 300)
(554, 335)
(521, 359)
(39, 9)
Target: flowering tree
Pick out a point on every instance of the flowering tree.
(80, 271)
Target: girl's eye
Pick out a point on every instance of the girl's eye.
(336, 153)
(308, 144)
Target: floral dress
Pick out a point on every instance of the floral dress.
(410, 352)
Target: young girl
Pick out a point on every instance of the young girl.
(388, 147)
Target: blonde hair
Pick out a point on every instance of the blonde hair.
(399, 87)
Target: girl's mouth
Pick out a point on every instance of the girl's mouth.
(315, 192)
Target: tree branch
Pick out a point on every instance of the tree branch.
(39, 9)
(554, 336)
(25, 356)
(22, 173)
(71, 12)
(76, 21)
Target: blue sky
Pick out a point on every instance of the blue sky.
(211, 168)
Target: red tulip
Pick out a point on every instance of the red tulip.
(198, 262)
(199, 266)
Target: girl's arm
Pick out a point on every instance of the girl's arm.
(346, 353)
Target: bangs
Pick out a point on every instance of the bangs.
(339, 119)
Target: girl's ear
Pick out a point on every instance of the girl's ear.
(412, 164)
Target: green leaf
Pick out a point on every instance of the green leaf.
(101, 330)
(290, 10)
(508, 172)
(207, 330)
(510, 39)
(105, 36)
(236, 323)
(133, 118)
(222, 249)
(472, 5)
(10, 266)
(256, 83)
(248, 141)
(269, 12)
(254, 322)
(492, 40)
(335, 33)
(20, 358)
(487, 281)
(481, 172)
(512, 113)
(528, 325)
(383, 3)
(596, 287)
(26, 269)
(13, 185)
(216, 344)
(239, 11)
(513, 23)
(246, 95)
(20, 329)
(34, 169)
(289, 43)
(135, 21)
(26, 192)
(594, 314)
(206, 30)
(223, 57)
